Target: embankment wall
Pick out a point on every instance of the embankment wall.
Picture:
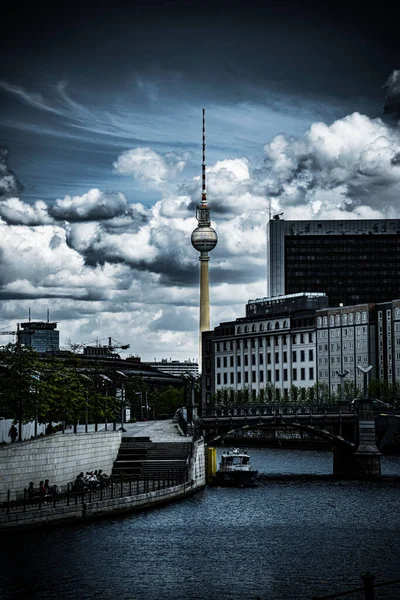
(57, 457)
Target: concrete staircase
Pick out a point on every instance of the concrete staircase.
(138, 456)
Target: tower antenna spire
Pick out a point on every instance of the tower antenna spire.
(203, 164)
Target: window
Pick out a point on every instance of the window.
(319, 322)
(239, 359)
(218, 346)
(225, 378)
(325, 320)
(262, 327)
(285, 324)
(246, 360)
(351, 317)
(246, 377)
(253, 328)
(253, 359)
(269, 358)
(261, 376)
(218, 378)
(239, 377)
(225, 362)
(294, 356)
(358, 317)
(388, 315)
(311, 373)
(302, 356)
(337, 319)
(311, 355)
(218, 362)
(344, 319)
(276, 374)
(277, 325)
(364, 316)
(302, 374)
(310, 337)
(269, 376)
(294, 374)
(331, 320)
(276, 357)
(284, 374)
(232, 378)
(302, 338)
(285, 356)
(239, 329)
(253, 377)
(261, 359)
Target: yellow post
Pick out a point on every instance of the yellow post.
(211, 463)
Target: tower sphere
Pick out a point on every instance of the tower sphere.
(204, 239)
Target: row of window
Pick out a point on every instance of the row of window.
(346, 319)
(300, 338)
(297, 356)
(256, 327)
(254, 377)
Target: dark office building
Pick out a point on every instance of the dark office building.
(352, 261)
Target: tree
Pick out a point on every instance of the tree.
(20, 390)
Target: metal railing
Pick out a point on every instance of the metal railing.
(16, 502)
(241, 410)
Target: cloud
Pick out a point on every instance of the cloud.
(9, 184)
(16, 212)
(95, 205)
(150, 167)
(392, 98)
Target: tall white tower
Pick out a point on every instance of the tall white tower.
(204, 239)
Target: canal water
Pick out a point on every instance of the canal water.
(284, 540)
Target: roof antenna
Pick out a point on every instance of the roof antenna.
(29, 314)
(48, 315)
(203, 164)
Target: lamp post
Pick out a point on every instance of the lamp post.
(122, 400)
(342, 375)
(365, 371)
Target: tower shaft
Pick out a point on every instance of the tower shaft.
(204, 298)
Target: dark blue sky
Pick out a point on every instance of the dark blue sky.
(137, 74)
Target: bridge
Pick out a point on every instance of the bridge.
(351, 429)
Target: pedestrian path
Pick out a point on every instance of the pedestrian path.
(157, 431)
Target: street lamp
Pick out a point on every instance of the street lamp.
(87, 400)
(122, 400)
(365, 371)
(342, 376)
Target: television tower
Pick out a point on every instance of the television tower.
(204, 239)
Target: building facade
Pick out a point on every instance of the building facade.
(272, 347)
(343, 259)
(297, 340)
(362, 335)
(42, 336)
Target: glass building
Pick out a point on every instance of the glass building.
(352, 261)
(42, 336)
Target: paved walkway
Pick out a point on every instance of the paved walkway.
(157, 431)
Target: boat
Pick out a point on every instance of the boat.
(235, 469)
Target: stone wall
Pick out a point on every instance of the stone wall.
(198, 463)
(58, 458)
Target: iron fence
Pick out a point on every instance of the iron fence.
(18, 501)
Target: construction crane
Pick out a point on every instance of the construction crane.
(117, 346)
(17, 333)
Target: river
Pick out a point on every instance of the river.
(284, 540)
